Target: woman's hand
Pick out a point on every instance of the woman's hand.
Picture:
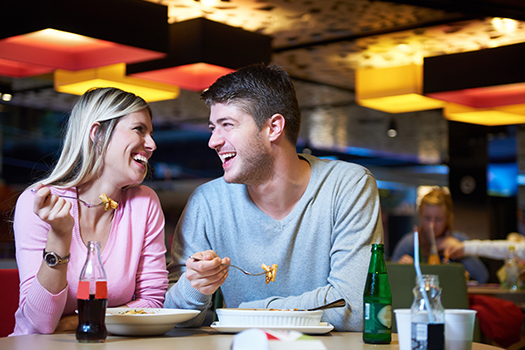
(406, 259)
(54, 210)
(452, 248)
(67, 324)
(208, 274)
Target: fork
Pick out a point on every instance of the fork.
(237, 267)
(89, 205)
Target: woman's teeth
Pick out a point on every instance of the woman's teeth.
(140, 158)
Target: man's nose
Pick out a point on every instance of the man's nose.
(216, 140)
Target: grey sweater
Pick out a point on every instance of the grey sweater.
(322, 248)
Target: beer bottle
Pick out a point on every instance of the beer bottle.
(433, 258)
(92, 298)
(377, 300)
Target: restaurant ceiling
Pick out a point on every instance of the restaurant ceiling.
(325, 41)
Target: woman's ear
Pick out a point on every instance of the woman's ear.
(94, 131)
(276, 126)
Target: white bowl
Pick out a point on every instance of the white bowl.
(155, 322)
(268, 318)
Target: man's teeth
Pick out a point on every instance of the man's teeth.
(226, 156)
(140, 158)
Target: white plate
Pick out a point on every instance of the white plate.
(324, 327)
(157, 321)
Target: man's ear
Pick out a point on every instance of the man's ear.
(276, 126)
(93, 131)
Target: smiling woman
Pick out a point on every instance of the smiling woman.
(106, 150)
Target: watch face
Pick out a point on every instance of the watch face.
(51, 259)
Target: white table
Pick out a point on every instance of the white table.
(187, 339)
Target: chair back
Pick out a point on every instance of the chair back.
(9, 295)
(452, 281)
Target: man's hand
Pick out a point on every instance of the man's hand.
(208, 274)
(452, 248)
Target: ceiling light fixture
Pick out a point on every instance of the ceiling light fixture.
(392, 128)
(502, 115)
(201, 51)
(78, 82)
(37, 36)
(490, 82)
(393, 89)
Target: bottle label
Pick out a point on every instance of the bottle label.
(428, 336)
(101, 290)
(83, 290)
(378, 318)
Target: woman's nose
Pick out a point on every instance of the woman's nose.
(150, 143)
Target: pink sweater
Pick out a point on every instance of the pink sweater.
(134, 259)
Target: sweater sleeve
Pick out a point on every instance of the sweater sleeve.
(39, 311)
(181, 294)
(497, 249)
(356, 224)
(404, 247)
(475, 267)
(152, 279)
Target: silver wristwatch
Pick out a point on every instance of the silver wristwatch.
(52, 259)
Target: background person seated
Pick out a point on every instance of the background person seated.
(435, 210)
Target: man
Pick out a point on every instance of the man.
(315, 219)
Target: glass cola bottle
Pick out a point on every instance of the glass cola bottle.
(92, 298)
(377, 300)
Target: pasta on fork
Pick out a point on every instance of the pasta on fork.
(271, 271)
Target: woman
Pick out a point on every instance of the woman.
(435, 212)
(106, 150)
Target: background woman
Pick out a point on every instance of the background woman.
(106, 150)
(435, 210)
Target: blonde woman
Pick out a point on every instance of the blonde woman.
(106, 150)
(436, 210)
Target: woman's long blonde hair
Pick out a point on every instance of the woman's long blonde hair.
(82, 159)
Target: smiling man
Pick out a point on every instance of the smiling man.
(313, 218)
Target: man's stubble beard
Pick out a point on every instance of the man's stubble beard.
(256, 166)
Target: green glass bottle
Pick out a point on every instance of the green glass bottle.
(377, 300)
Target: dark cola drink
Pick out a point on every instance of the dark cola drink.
(91, 320)
(92, 298)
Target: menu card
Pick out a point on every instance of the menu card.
(266, 339)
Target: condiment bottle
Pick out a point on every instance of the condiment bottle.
(92, 298)
(512, 270)
(377, 300)
(427, 332)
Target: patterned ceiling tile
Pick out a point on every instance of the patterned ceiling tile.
(303, 21)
